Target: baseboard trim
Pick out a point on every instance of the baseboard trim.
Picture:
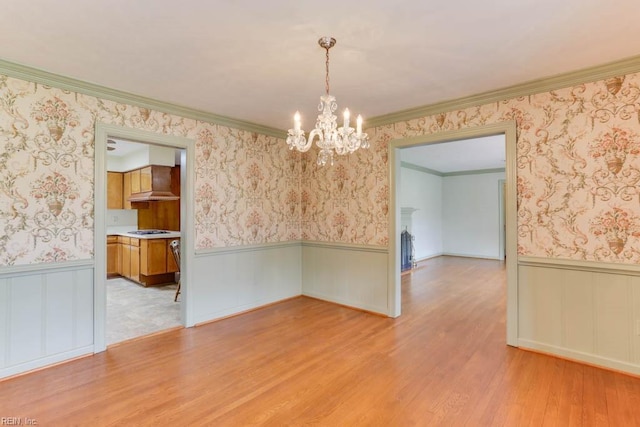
(350, 307)
(239, 313)
(580, 357)
(45, 363)
(364, 307)
(142, 337)
(471, 256)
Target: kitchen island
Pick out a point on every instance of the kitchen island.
(143, 256)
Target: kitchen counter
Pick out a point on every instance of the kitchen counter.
(126, 232)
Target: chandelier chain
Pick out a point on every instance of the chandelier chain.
(327, 75)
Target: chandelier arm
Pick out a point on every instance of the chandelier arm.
(312, 135)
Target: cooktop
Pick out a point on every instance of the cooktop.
(145, 232)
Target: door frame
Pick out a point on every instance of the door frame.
(506, 128)
(501, 218)
(104, 131)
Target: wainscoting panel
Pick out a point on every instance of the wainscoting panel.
(46, 315)
(583, 311)
(352, 275)
(232, 280)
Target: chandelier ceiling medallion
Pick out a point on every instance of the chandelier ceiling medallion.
(331, 138)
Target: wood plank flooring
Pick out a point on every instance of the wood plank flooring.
(308, 362)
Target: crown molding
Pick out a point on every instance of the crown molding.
(599, 72)
(422, 169)
(591, 74)
(474, 172)
(419, 168)
(24, 72)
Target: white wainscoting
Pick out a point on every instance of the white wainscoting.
(353, 275)
(232, 280)
(46, 314)
(581, 310)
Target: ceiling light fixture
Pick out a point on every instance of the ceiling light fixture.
(331, 138)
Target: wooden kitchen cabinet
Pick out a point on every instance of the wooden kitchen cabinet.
(146, 261)
(124, 249)
(146, 179)
(129, 249)
(135, 181)
(115, 195)
(135, 260)
(113, 258)
(126, 190)
(156, 257)
(153, 257)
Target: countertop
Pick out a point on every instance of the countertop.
(125, 231)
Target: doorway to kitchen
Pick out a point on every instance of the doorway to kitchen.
(133, 244)
(143, 219)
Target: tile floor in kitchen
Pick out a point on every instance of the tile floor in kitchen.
(133, 310)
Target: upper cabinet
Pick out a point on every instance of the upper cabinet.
(126, 190)
(115, 197)
(152, 183)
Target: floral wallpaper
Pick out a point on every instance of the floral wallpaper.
(578, 174)
(247, 185)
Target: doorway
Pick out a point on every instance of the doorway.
(140, 294)
(185, 146)
(508, 129)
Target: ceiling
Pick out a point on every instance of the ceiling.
(459, 156)
(259, 61)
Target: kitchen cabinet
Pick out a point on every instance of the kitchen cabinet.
(126, 190)
(153, 254)
(163, 215)
(129, 249)
(135, 181)
(152, 183)
(113, 256)
(146, 261)
(114, 190)
(146, 179)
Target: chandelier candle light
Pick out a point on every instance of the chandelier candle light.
(331, 138)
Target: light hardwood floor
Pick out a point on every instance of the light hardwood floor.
(309, 362)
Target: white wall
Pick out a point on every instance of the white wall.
(353, 275)
(470, 206)
(233, 280)
(146, 155)
(423, 191)
(457, 214)
(46, 314)
(588, 311)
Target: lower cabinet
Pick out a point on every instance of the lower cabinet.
(129, 250)
(146, 261)
(113, 256)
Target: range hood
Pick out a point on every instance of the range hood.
(155, 185)
(153, 196)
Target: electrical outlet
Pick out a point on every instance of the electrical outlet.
(115, 218)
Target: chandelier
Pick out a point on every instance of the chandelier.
(331, 138)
